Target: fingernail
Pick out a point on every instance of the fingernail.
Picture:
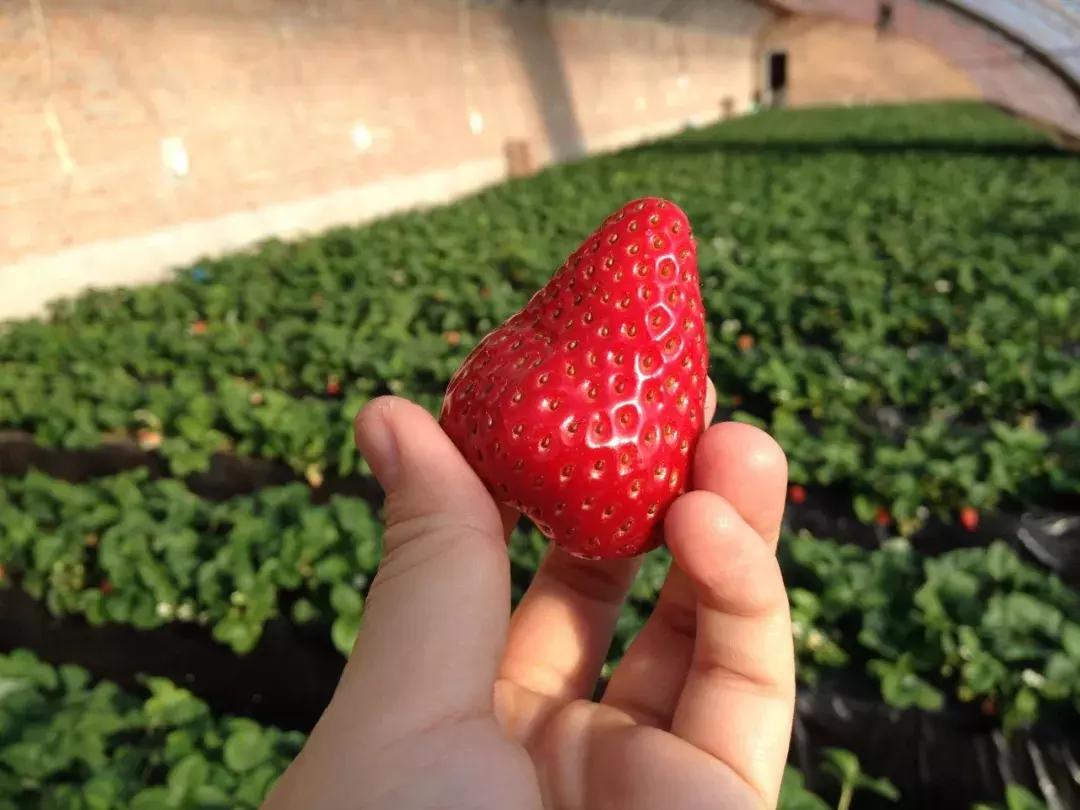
(377, 443)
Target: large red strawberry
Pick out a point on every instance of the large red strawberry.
(583, 409)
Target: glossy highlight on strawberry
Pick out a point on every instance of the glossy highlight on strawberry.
(583, 409)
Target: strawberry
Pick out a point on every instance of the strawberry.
(882, 517)
(583, 409)
(969, 518)
(148, 439)
(797, 494)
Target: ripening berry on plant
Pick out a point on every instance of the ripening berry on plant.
(969, 518)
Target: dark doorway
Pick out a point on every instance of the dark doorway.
(776, 71)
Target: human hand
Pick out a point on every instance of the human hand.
(449, 702)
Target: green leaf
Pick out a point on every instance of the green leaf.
(103, 791)
(343, 633)
(1020, 798)
(842, 764)
(903, 689)
(880, 787)
(186, 776)
(1070, 640)
(153, 798)
(169, 705)
(794, 794)
(246, 747)
(345, 600)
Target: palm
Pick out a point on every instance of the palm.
(598, 757)
(585, 755)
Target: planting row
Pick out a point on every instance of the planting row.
(908, 470)
(896, 307)
(67, 743)
(978, 626)
(129, 550)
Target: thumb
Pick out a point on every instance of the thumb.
(435, 621)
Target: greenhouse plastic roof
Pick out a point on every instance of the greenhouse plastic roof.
(1050, 27)
(1028, 59)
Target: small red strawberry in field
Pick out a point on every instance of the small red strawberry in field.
(583, 409)
(148, 439)
(882, 517)
(969, 518)
(797, 494)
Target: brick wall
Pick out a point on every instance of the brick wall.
(139, 135)
(207, 123)
(834, 61)
(1001, 69)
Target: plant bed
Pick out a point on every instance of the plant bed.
(975, 622)
(69, 744)
(226, 476)
(938, 760)
(129, 549)
(286, 680)
(20, 453)
(943, 759)
(1048, 538)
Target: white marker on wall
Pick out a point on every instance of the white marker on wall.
(476, 122)
(362, 137)
(175, 156)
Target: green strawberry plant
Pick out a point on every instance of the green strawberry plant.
(1016, 798)
(974, 625)
(132, 550)
(70, 744)
(842, 766)
(67, 743)
(846, 769)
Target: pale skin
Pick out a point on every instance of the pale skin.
(449, 702)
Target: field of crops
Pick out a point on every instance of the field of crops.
(892, 292)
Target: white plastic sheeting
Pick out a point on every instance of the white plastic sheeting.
(1049, 27)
